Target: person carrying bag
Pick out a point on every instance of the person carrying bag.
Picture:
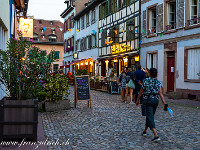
(151, 90)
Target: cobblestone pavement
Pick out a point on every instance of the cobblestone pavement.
(110, 124)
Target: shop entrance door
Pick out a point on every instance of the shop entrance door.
(170, 73)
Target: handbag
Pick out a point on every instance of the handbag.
(131, 84)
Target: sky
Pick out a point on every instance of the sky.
(46, 9)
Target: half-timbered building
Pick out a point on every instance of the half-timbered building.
(119, 30)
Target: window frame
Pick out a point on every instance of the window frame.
(186, 49)
(93, 15)
(83, 22)
(87, 19)
(149, 31)
(152, 53)
(169, 25)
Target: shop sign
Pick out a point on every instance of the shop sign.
(115, 49)
(26, 27)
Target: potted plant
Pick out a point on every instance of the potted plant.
(97, 84)
(56, 88)
(21, 68)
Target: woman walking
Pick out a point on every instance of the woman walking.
(151, 88)
(122, 83)
(130, 85)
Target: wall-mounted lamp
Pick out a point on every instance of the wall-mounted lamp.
(115, 60)
(137, 58)
(81, 64)
(125, 60)
(107, 61)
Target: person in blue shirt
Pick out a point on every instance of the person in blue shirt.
(139, 76)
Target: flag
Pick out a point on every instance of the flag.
(69, 30)
(115, 31)
(101, 31)
(161, 34)
(93, 31)
(143, 31)
(77, 31)
(44, 28)
(123, 31)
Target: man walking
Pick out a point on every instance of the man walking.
(139, 77)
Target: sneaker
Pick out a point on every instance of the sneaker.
(131, 103)
(144, 134)
(126, 102)
(156, 139)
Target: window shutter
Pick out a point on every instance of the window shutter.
(103, 37)
(144, 25)
(180, 13)
(67, 25)
(159, 19)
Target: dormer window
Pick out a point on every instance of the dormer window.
(53, 31)
(43, 36)
(42, 30)
(51, 22)
(52, 38)
(40, 21)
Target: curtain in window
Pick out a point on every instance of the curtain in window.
(149, 61)
(193, 66)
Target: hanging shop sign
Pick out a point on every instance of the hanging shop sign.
(116, 48)
(26, 27)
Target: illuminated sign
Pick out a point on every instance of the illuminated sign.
(26, 27)
(108, 40)
(115, 49)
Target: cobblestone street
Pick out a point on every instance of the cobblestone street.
(110, 124)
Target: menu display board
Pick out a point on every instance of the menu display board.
(82, 89)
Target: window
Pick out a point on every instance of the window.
(78, 24)
(103, 10)
(152, 59)
(42, 30)
(72, 20)
(2, 38)
(43, 37)
(57, 55)
(82, 22)
(52, 40)
(193, 64)
(53, 31)
(93, 16)
(87, 19)
(171, 15)
(93, 40)
(51, 22)
(152, 20)
(40, 21)
(35, 36)
(194, 12)
(55, 67)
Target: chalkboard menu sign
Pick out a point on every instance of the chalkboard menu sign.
(114, 87)
(82, 89)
